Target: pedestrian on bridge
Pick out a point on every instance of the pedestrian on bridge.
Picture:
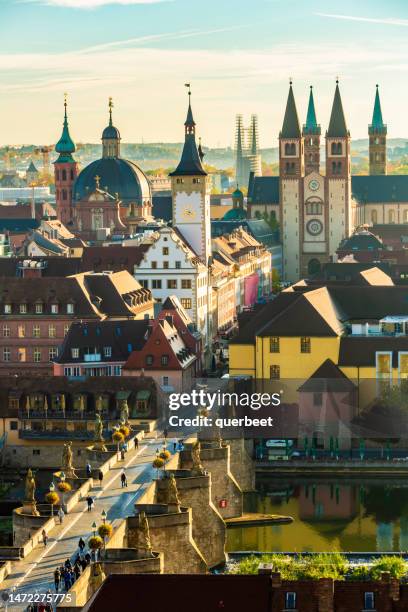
(88, 469)
(90, 502)
(44, 537)
(57, 579)
(61, 515)
(136, 442)
(81, 545)
(123, 479)
(100, 477)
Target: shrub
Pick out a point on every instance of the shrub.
(52, 498)
(95, 543)
(396, 566)
(165, 455)
(158, 463)
(105, 530)
(64, 487)
(360, 572)
(125, 431)
(117, 437)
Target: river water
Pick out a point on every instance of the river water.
(355, 515)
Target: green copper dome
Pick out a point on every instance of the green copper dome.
(237, 193)
(65, 146)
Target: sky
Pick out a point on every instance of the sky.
(238, 56)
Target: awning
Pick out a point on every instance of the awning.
(143, 395)
(395, 319)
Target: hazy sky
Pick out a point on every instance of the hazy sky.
(238, 55)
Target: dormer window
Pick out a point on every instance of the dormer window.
(149, 360)
(54, 308)
(70, 308)
(75, 353)
(7, 308)
(107, 351)
(23, 308)
(38, 308)
(164, 360)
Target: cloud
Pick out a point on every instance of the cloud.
(92, 4)
(382, 20)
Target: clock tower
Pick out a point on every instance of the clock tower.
(191, 193)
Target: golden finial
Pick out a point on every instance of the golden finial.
(97, 180)
(110, 109)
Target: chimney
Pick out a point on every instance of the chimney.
(325, 595)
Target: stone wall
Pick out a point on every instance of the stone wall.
(226, 493)
(27, 529)
(241, 464)
(171, 534)
(209, 530)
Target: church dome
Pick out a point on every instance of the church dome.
(111, 133)
(117, 176)
(234, 214)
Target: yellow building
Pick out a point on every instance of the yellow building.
(361, 329)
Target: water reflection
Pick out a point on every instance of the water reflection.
(353, 514)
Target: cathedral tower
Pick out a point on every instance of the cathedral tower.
(191, 194)
(338, 175)
(377, 134)
(291, 172)
(65, 172)
(110, 138)
(311, 134)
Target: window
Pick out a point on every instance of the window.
(317, 399)
(36, 451)
(391, 216)
(290, 148)
(64, 175)
(6, 354)
(180, 181)
(165, 265)
(164, 360)
(107, 351)
(384, 366)
(6, 331)
(13, 425)
(37, 355)
(196, 181)
(178, 264)
(274, 345)
(38, 308)
(67, 371)
(117, 370)
(52, 353)
(23, 308)
(149, 360)
(369, 601)
(290, 600)
(144, 283)
(70, 308)
(156, 284)
(75, 353)
(36, 331)
(52, 331)
(54, 308)
(165, 250)
(186, 283)
(336, 148)
(7, 308)
(21, 331)
(165, 380)
(21, 354)
(305, 346)
(186, 303)
(154, 265)
(274, 372)
(13, 403)
(172, 284)
(314, 208)
(66, 328)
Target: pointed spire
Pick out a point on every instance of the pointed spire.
(65, 146)
(254, 135)
(337, 125)
(377, 124)
(311, 126)
(190, 162)
(291, 125)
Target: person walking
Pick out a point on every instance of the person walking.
(88, 470)
(123, 479)
(67, 579)
(77, 570)
(57, 579)
(81, 545)
(165, 434)
(61, 515)
(136, 442)
(90, 502)
(122, 454)
(174, 445)
(88, 558)
(100, 477)
(44, 537)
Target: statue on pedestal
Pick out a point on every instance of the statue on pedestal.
(99, 442)
(197, 469)
(145, 541)
(29, 505)
(124, 412)
(172, 493)
(67, 466)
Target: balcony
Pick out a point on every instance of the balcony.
(69, 415)
(93, 357)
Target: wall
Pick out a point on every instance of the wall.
(241, 464)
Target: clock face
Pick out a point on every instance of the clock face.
(314, 185)
(314, 227)
(188, 213)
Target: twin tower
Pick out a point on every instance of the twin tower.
(316, 210)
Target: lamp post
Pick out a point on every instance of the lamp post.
(52, 490)
(94, 528)
(103, 515)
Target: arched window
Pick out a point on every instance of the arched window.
(290, 148)
(64, 194)
(391, 216)
(64, 175)
(314, 208)
(57, 174)
(374, 217)
(72, 174)
(336, 148)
